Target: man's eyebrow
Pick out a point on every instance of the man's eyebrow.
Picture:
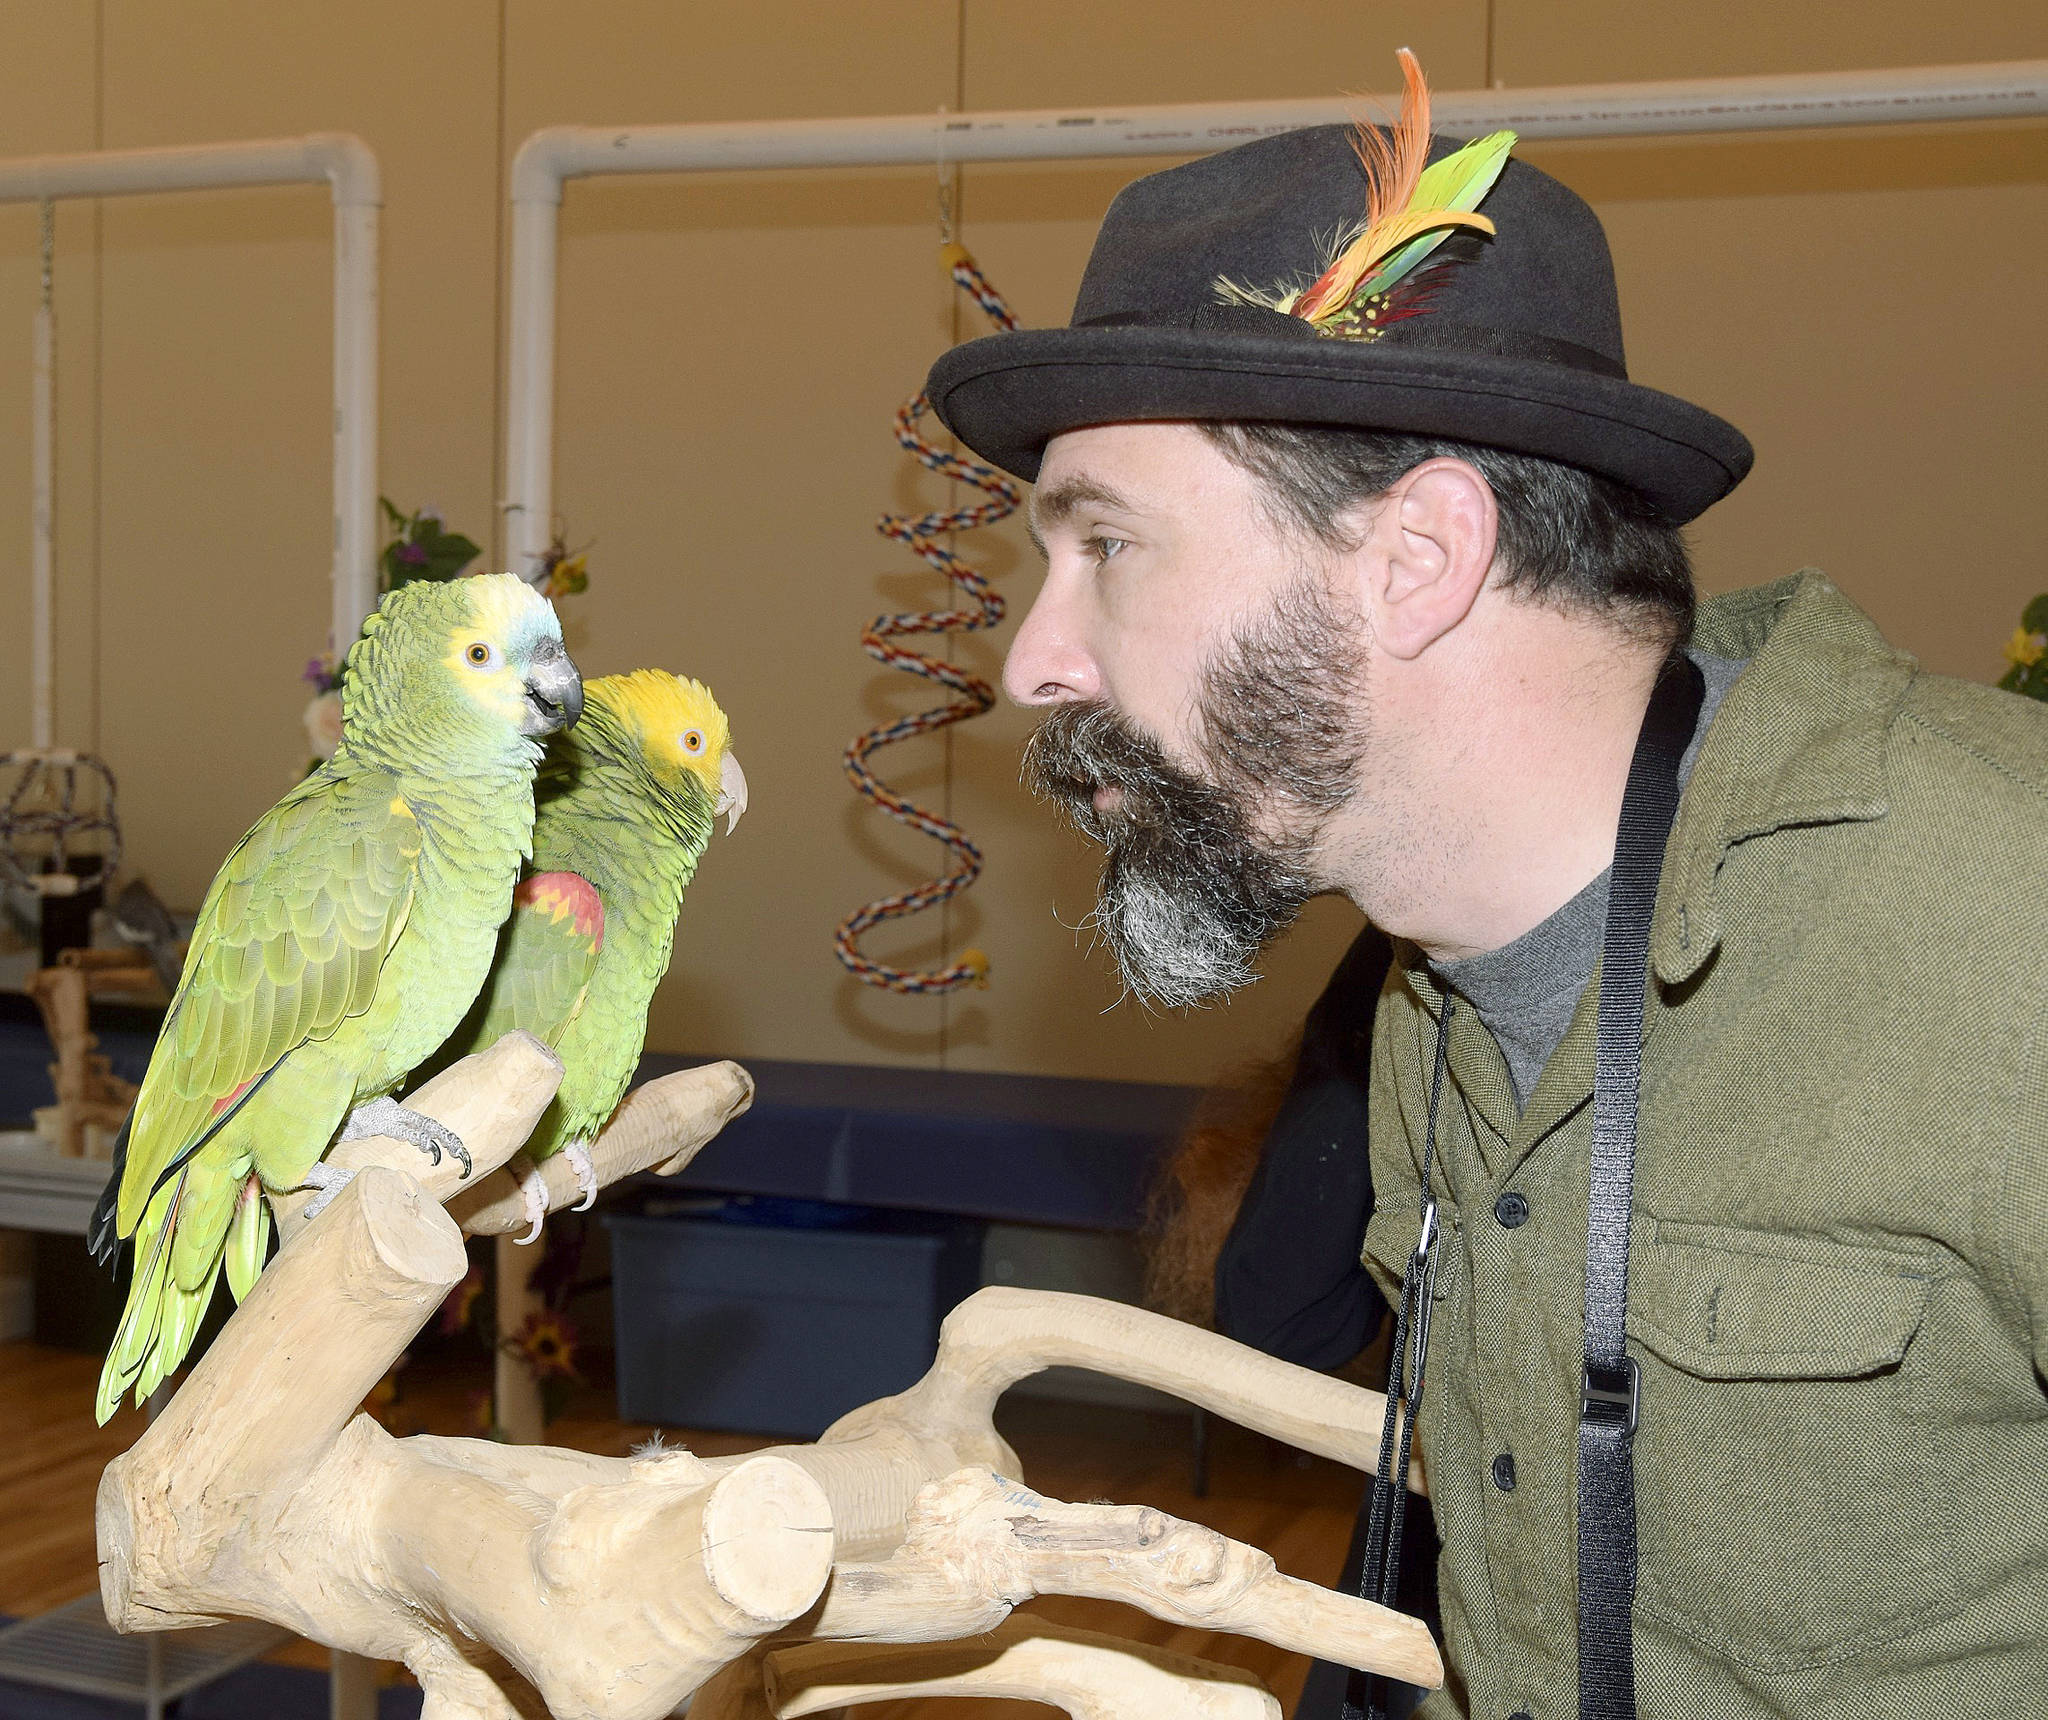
(1060, 501)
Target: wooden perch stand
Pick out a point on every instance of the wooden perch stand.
(520, 1581)
(492, 1571)
(92, 1101)
(1081, 1672)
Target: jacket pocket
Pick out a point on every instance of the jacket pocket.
(1791, 1507)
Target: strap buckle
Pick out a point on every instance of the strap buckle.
(1611, 1397)
(1425, 1238)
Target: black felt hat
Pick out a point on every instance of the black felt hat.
(1518, 346)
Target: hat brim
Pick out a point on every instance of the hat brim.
(1007, 395)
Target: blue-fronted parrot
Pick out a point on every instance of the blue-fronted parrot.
(342, 939)
(623, 808)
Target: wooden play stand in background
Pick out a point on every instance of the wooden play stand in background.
(92, 1101)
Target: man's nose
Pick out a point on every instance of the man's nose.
(1048, 664)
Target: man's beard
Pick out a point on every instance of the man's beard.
(1192, 889)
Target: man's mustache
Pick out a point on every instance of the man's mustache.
(1080, 748)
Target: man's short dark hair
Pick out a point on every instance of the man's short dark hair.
(1566, 536)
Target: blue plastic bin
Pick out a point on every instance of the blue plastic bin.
(760, 1328)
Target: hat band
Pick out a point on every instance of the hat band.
(1446, 334)
(1434, 333)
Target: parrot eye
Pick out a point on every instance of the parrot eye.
(693, 741)
(482, 655)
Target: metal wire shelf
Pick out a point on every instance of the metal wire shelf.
(75, 1649)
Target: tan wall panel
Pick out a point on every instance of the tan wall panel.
(1598, 41)
(1079, 53)
(48, 104)
(731, 351)
(758, 334)
(652, 61)
(1891, 380)
(219, 378)
(1898, 409)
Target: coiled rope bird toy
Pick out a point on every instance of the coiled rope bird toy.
(924, 534)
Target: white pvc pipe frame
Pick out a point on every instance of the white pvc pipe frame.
(2001, 90)
(346, 165)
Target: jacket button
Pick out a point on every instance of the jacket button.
(1504, 1474)
(1512, 1209)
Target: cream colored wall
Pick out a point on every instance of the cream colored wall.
(1865, 305)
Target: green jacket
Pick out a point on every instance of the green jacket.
(1838, 1288)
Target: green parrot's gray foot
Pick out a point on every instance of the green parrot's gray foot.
(533, 1191)
(388, 1117)
(330, 1180)
(578, 1155)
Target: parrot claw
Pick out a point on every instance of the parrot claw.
(533, 1190)
(330, 1180)
(388, 1117)
(578, 1155)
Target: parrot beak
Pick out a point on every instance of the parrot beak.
(732, 792)
(554, 693)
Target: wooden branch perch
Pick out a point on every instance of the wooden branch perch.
(874, 1460)
(926, 1550)
(92, 1101)
(1089, 1675)
(603, 1589)
(517, 1580)
(1000, 1335)
(661, 1126)
(979, 1544)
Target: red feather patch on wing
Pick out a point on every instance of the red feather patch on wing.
(220, 1105)
(564, 896)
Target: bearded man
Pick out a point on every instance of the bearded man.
(1709, 1179)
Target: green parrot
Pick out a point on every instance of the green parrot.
(342, 939)
(622, 810)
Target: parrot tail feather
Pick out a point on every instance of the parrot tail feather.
(161, 1317)
(248, 1236)
(103, 1239)
(139, 1318)
(182, 1311)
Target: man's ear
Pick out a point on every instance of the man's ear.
(1430, 547)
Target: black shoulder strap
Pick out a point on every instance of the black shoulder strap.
(1366, 1695)
(1610, 1386)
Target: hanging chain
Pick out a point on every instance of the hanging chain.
(49, 236)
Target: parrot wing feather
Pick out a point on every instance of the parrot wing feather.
(547, 954)
(289, 944)
(540, 981)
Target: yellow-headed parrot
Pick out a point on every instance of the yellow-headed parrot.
(622, 810)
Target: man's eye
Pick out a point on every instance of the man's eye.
(1101, 548)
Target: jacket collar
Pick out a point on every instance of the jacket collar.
(1799, 740)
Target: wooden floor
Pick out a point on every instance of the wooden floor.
(1297, 1508)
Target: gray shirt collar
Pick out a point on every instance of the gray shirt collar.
(1526, 992)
